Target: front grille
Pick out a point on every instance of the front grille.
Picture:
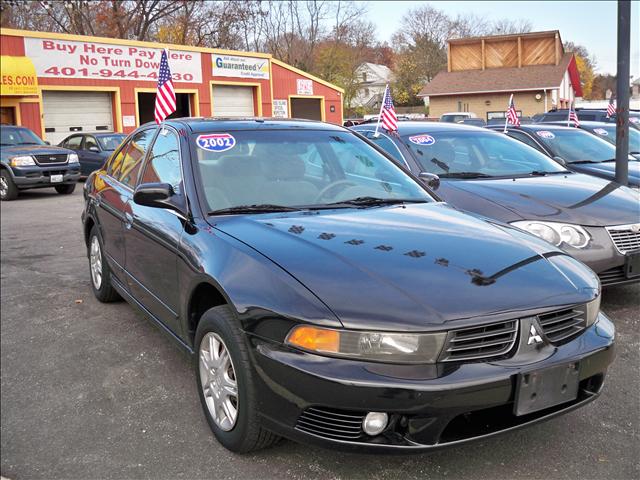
(612, 276)
(51, 158)
(625, 238)
(478, 343)
(330, 423)
(563, 325)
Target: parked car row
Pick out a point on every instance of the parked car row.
(27, 162)
(328, 294)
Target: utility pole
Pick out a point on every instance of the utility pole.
(622, 97)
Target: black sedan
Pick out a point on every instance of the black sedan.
(93, 149)
(485, 172)
(578, 150)
(327, 296)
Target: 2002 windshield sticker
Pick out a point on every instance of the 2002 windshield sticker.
(216, 142)
(422, 140)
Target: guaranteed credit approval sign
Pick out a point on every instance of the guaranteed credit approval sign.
(69, 59)
(242, 67)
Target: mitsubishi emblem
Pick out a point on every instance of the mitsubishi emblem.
(534, 337)
(635, 228)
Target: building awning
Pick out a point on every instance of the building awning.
(17, 76)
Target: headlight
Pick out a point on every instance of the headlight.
(73, 158)
(374, 346)
(556, 233)
(593, 308)
(22, 161)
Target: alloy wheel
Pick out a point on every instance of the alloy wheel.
(4, 187)
(218, 381)
(95, 259)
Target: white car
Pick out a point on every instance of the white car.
(456, 117)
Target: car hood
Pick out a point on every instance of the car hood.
(33, 150)
(608, 170)
(416, 267)
(572, 198)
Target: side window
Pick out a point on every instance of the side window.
(133, 157)
(116, 160)
(74, 142)
(89, 142)
(524, 139)
(386, 144)
(163, 165)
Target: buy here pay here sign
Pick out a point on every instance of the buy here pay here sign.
(68, 59)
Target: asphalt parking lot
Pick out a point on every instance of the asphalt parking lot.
(95, 391)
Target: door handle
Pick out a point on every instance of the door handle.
(128, 220)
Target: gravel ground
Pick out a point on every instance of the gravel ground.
(96, 391)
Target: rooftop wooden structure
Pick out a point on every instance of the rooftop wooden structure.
(499, 51)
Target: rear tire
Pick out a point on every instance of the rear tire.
(8, 189)
(99, 270)
(65, 189)
(219, 329)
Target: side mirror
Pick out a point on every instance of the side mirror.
(560, 160)
(431, 179)
(156, 195)
(94, 149)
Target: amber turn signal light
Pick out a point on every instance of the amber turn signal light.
(314, 339)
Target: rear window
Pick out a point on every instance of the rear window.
(111, 142)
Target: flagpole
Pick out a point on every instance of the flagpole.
(384, 96)
(506, 117)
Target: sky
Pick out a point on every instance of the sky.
(592, 24)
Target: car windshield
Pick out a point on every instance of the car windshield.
(273, 169)
(111, 142)
(608, 133)
(479, 153)
(452, 118)
(574, 145)
(18, 136)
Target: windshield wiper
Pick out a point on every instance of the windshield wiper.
(592, 161)
(28, 143)
(373, 201)
(539, 173)
(262, 208)
(441, 164)
(465, 175)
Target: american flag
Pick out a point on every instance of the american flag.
(166, 95)
(388, 113)
(573, 116)
(512, 115)
(611, 108)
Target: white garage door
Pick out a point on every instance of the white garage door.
(68, 112)
(232, 101)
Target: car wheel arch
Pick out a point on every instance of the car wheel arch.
(204, 296)
(88, 225)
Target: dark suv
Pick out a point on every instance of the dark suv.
(585, 114)
(328, 296)
(26, 161)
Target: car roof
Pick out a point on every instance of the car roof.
(532, 127)
(585, 123)
(417, 127)
(204, 124)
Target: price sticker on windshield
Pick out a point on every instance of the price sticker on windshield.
(424, 140)
(545, 134)
(216, 142)
(601, 131)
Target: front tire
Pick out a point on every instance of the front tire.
(99, 269)
(8, 189)
(225, 380)
(65, 189)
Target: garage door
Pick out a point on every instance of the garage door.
(68, 112)
(232, 101)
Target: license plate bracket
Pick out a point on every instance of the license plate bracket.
(546, 388)
(632, 265)
(57, 178)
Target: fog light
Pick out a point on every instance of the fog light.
(374, 423)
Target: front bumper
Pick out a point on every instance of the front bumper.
(603, 258)
(429, 406)
(40, 176)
